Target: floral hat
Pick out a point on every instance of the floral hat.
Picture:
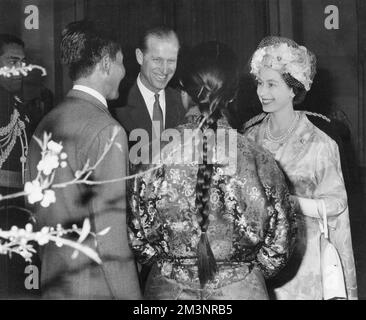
(286, 56)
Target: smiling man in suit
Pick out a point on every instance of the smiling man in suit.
(149, 98)
(150, 101)
(84, 125)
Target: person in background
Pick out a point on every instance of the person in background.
(149, 98)
(23, 102)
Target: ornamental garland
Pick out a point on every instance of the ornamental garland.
(24, 69)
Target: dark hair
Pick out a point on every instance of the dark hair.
(211, 79)
(82, 47)
(161, 32)
(6, 38)
(297, 87)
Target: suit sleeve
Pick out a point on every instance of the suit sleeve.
(109, 210)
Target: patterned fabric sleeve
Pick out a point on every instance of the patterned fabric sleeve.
(280, 235)
(328, 173)
(146, 231)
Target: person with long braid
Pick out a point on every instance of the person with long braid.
(213, 218)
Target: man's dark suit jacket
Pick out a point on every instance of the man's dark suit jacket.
(84, 126)
(135, 114)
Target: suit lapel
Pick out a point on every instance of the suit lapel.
(172, 110)
(139, 114)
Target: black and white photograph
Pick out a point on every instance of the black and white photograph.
(182, 150)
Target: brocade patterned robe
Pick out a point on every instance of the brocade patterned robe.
(252, 222)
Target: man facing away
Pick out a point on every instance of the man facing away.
(84, 125)
(149, 98)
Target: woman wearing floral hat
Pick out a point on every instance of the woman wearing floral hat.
(284, 72)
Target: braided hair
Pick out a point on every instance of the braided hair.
(211, 79)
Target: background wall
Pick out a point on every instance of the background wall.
(10, 11)
(339, 84)
(240, 24)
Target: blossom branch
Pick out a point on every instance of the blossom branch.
(49, 163)
(17, 240)
(39, 190)
(89, 182)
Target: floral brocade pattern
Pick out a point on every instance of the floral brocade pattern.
(252, 222)
(311, 162)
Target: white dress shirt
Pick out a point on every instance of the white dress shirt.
(149, 98)
(92, 92)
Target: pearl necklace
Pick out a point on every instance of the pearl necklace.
(282, 137)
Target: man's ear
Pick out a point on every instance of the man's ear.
(139, 56)
(105, 63)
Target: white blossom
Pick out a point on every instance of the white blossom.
(34, 191)
(54, 146)
(48, 198)
(48, 163)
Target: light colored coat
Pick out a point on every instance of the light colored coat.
(84, 126)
